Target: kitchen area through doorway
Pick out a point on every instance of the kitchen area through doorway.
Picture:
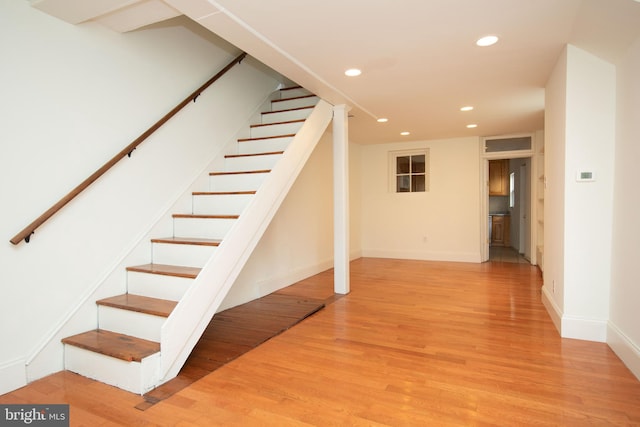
(508, 223)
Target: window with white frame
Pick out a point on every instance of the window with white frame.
(409, 171)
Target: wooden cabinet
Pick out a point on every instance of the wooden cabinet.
(500, 230)
(499, 177)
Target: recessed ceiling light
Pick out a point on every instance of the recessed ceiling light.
(405, 133)
(352, 72)
(472, 125)
(487, 41)
(383, 120)
(467, 108)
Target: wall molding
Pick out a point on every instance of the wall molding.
(624, 347)
(552, 308)
(473, 257)
(583, 328)
(576, 327)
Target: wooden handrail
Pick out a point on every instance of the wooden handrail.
(26, 233)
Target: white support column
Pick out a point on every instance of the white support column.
(341, 283)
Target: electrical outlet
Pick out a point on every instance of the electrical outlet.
(553, 286)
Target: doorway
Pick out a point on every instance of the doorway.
(507, 208)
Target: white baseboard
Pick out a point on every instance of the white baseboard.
(12, 375)
(276, 283)
(582, 328)
(245, 290)
(552, 308)
(575, 327)
(473, 257)
(626, 350)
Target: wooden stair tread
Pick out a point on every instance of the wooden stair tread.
(167, 270)
(239, 172)
(270, 153)
(221, 193)
(204, 216)
(289, 109)
(188, 241)
(120, 346)
(290, 88)
(257, 125)
(140, 304)
(258, 138)
(295, 97)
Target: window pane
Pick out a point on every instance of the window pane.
(402, 184)
(402, 165)
(417, 183)
(417, 164)
(508, 144)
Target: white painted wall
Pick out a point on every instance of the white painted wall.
(589, 145)
(298, 242)
(624, 321)
(448, 215)
(580, 212)
(554, 158)
(72, 97)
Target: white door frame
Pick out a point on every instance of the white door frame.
(484, 191)
(523, 214)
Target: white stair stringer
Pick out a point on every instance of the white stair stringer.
(186, 323)
(212, 242)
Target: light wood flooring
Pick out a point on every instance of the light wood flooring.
(414, 344)
(506, 254)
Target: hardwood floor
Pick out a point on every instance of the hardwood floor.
(234, 332)
(414, 343)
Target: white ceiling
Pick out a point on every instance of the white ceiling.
(418, 58)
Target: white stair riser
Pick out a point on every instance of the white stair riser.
(276, 129)
(207, 228)
(136, 377)
(221, 204)
(294, 92)
(178, 254)
(236, 182)
(287, 104)
(133, 323)
(251, 163)
(157, 285)
(285, 116)
(264, 145)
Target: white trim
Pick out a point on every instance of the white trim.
(13, 375)
(583, 328)
(552, 308)
(513, 154)
(580, 328)
(472, 257)
(626, 350)
(88, 298)
(484, 190)
(183, 328)
(393, 172)
(341, 282)
(273, 284)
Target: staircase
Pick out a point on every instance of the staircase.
(125, 349)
